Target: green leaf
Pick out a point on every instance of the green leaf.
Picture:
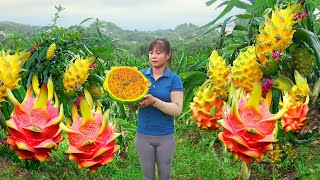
(240, 28)
(86, 50)
(85, 20)
(317, 5)
(5, 108)
(213, 111)
(198, 64)
(42, 54)
(17, 95)
(209, 3)
(76, 51)
(276, 94)
(243, 5)
(102, 49)
(30, 61)
(191, 80)
(3, 124)
(227, 9)
(244, 16)
(188, 96)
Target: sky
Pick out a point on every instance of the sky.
(142, 15)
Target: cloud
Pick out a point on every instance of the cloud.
(128, 14)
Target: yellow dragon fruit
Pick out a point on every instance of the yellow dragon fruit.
(91, 138)
(301, 89)
(295, 119)
(34, 124)
(275, 36)
(218, 74)
(249, 127)
(76, 74)
(10, 68)
(50, 51)
(245, 71)
(207, 108)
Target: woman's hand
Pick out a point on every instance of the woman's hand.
(133, 107)
(148, 100)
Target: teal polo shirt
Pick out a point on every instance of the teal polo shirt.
(152, 121)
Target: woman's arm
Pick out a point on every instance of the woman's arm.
(173, 108)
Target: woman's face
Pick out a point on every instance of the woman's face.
(158, 58)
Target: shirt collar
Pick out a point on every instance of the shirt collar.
(166, 72)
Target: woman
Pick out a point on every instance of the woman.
(155, 141)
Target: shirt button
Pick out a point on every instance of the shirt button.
(154, 86)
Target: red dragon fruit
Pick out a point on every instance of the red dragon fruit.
(249, 126)
(91, 138)
(34, 124)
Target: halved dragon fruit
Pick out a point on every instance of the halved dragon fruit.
(34, 124)
(91, 138)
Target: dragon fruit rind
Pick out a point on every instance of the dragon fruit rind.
(248, 127)
(207, 107)
(34, 124)
(92, 141)
(295, 119)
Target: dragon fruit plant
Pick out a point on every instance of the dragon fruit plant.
(34, 124)
(92, 141)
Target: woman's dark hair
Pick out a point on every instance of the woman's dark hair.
(163, 45)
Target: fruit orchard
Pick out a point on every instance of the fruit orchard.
(254, 93)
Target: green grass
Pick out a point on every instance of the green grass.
(198, 156)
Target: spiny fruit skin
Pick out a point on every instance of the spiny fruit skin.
(249, 126)
(92, 141)
(275, 155)
(34, 124)
(125, 84)
(76, 74)
(218, 74)
(10, 68)
(96, 91)
(277, 32)
(245, 71)
(295, 119)
(50, 51)
(300, 91)
(290, 152)
(266, 85)
(303, 60)
(207, 108)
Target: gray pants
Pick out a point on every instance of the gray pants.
(155, 150)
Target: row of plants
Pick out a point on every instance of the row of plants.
(261, 91)
(54, 75)
(228, 100)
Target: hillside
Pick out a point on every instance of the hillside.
(133, 41)
(183, 31)
(11, 27)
